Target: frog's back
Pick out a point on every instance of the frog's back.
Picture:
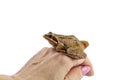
(69, 41)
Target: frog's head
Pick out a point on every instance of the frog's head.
(51, 38)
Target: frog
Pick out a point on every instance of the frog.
(67, 44)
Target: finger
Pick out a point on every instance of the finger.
(78, 62)
(85, 69)
(74, 74)
(88, 63)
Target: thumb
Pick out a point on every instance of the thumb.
(74, 74)
(77, 73)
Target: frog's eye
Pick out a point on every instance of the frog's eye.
(54, 38)
(50, 36)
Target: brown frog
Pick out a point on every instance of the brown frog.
(67, 44)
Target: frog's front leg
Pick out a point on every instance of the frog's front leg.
(60, 47)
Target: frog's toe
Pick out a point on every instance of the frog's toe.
(85, 43)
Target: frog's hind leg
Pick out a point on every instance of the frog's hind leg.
(75, 53)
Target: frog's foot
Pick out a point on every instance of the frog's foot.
(85, 43)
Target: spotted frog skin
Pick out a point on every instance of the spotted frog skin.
(67, 44)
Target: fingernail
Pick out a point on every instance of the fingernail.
(85, 69)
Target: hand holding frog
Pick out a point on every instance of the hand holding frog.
(51, 65)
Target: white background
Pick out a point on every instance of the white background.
(23, 22)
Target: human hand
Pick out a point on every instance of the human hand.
(51, 65)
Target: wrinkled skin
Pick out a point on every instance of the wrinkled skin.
(68, 44)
